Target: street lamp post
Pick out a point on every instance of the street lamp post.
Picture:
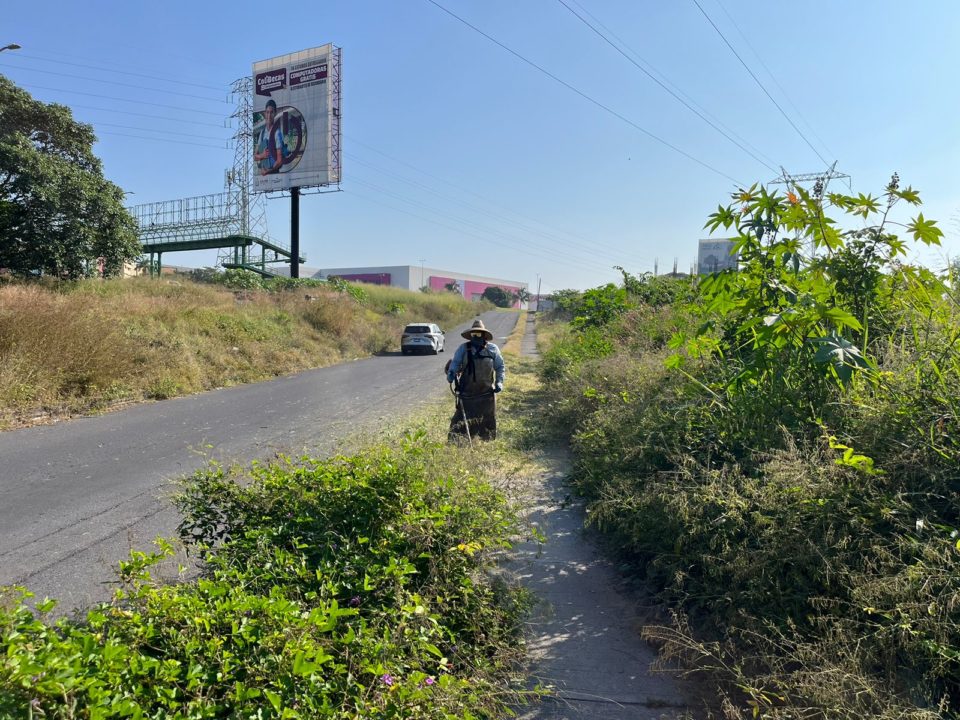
(11, 46)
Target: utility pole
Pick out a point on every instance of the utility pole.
(538, 293)
(421, 272)
(294, 232)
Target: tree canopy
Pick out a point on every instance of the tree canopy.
(58, 214)
(498, 296)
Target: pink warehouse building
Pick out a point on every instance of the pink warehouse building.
(414, 277)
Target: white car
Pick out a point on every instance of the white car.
(422, 337)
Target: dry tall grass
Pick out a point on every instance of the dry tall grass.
(85, 346)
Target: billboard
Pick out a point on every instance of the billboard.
(296, 120)
(716, 255)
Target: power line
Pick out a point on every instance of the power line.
(663, 85)
(118, 72)
(166, 132)
(113, 82)
(474, 193)
(147, 115)
(460, 231)
(773, 77)
(759, 84)
(593, 249)
(511, 243)
(137, 50)
(652, 68)
(586, 97)
(166, 140)
(119, 99)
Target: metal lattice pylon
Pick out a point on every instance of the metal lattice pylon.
(251, 208)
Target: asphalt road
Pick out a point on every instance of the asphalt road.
(75, 497)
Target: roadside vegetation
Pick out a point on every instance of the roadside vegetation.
(78, 347)
(355, 587)
(778, 449)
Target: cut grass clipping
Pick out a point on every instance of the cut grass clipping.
(347, 588)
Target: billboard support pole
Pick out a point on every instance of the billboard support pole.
(294, 232)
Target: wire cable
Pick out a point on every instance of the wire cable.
(166, 132)
(593, 250)
(126, 100)
(664, 86)
(166, 140)
(148, 115)
(489, 234)
(586, 97)
(472, 192)
(759, 84)
(112, 82)
(650, 66)
(102, 68)
(461, 232)
(774, 78)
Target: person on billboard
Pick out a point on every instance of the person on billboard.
(269, 150)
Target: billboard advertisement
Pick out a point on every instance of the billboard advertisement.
(716, 255)
(296, 120)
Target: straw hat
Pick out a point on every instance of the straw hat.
(477, 326)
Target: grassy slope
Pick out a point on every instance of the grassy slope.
(814, 588)
(359, 523)
(89, 345)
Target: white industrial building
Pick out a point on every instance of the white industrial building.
(414, 277)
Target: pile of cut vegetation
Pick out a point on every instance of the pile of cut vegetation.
(79, 347)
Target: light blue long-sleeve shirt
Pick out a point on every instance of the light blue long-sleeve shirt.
(459, 361)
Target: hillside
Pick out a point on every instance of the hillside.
(85, 347)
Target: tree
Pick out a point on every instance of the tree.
(58, 214)
(522, 294)
(498, 296)
(452, 287)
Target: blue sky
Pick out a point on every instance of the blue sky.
(459, 154)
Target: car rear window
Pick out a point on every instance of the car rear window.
(416, 329)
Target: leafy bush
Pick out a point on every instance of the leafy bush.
(498, 296)
(347, 588)
(239, 279)
(354, 290)
(788, 476)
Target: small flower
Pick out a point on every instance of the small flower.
(35, 703)
(429, 681)
(355, 601)
(386, 679)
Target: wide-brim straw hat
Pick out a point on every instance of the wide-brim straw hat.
(477, 325)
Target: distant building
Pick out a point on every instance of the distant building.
(542, 303)
(414, 277)
(716, 255)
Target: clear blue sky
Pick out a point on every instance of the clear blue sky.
(495, 168)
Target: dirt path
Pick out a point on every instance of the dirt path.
(584, 636)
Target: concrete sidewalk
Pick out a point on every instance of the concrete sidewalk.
(584, 636)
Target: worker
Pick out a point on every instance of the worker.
(476, 371)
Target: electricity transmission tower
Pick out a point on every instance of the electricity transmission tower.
(823, 178)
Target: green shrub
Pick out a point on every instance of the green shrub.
(788, 477)
(347, 588)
